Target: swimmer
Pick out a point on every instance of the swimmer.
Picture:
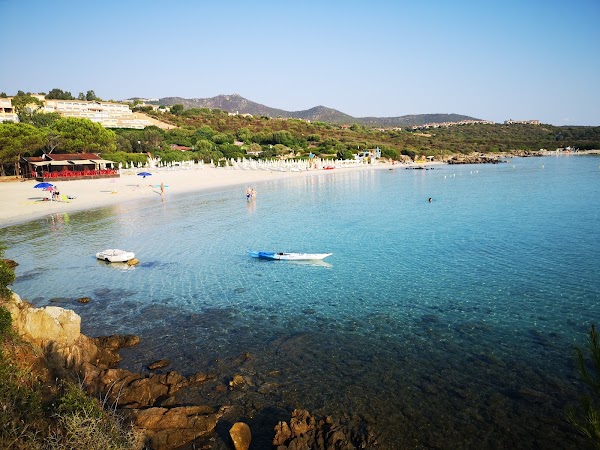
(429, 199)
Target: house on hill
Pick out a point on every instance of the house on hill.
(67, 166)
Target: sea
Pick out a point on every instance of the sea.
(446, 324)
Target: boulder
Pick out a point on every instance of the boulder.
(170, 428)
(240, 435)
(44, 325)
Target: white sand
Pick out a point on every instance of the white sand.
(21, 202)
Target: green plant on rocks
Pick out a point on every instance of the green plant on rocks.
(7, 276)
(586, 418)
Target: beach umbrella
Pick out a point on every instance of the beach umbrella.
(144, 174)
(43, 185)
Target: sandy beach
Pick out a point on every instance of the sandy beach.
(21, 202)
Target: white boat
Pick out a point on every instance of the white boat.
(115, 255)
(289, 256)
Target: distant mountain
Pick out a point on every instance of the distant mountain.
(237, 104)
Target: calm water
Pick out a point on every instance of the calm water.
(448, 324)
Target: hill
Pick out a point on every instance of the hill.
(235, 103)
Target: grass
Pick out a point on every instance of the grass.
(36, 413)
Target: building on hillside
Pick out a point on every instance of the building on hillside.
(67, 166)
(107, 114)
(7, 113)
(526, 122)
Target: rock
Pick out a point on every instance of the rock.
(238, 380)
(160, 364)
(10, 263)
(52, 323)
(68, 354)
(118, 341)
(301, 422)
(282, 434)
(170, 428)
(240, 435)
(306, 432)
(84, 300)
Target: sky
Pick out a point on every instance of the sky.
(492, 60)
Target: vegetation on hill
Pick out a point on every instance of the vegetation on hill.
(238, 104)
(213, 134)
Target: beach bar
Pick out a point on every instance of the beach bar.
(67, 166)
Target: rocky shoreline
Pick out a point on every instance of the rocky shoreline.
(151, 402)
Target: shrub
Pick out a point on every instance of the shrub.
(586, 420)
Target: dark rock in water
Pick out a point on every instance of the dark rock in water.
(84, 300)
(305, 431)
(59, 300)
(117, 341)
(160, 364)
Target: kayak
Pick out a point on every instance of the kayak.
(289, 256)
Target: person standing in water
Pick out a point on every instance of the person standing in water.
(162, 188)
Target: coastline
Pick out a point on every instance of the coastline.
(20, 202)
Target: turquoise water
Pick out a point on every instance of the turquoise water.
(448, 324)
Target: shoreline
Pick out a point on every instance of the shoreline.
(20, 202)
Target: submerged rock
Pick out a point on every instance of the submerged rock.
(240, 435)
(160, 364)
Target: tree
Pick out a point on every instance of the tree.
(26, 106)
(59, 94)
(91, 96)
(244, 134)
(205, 132)
(152, 137)
(42, 120)
(177, 109)
(83, 135)
(53, 139)
(81, 96)
(15, 139)
(222, 138)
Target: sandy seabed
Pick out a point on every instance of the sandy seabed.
(20, 202)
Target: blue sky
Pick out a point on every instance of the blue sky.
(494, 60)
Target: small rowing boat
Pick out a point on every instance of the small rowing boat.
(115, 255)
(289, 256)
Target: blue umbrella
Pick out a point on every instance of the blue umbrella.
(43, 185)
(144, 174)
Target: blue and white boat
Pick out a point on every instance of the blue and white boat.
(289, 256)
